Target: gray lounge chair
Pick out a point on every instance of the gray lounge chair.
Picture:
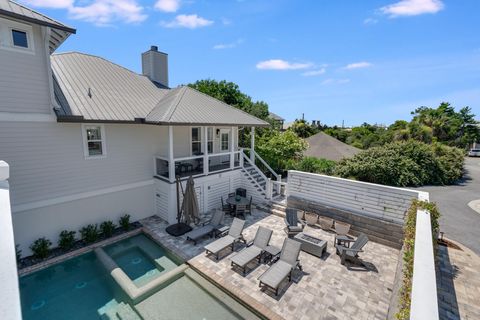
(294, 225)
(351, 253)
(234, 235)
(207, 228)
(284, 267)
(254, 249)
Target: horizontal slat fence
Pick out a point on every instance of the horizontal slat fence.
(367, 199)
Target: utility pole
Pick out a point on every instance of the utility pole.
(303, 116)
(343, 122)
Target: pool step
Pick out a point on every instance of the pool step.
(121, 311)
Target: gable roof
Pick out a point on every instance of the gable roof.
(60, 31)
(322, 145)
(275, 116)
(90, 88)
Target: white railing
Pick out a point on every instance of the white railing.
(10, 293)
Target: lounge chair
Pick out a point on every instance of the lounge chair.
(207, 228)
(234, 235)
(254, 249)
(351, 253)
(284, 267)
(294, 225)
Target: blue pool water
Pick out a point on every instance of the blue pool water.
(79, 287)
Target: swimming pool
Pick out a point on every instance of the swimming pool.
(83, 288)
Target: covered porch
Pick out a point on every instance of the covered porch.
(201, 150)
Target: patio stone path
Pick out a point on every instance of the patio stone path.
(324, 290)
(458, 283)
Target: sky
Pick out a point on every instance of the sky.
(335, 61)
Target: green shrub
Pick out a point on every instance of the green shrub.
(41, 248)
(409, 249)
(406, 163)
(18, 252)
(315, 165)
(89, 233)
(66, 240)
(107, 228)
(125, 222)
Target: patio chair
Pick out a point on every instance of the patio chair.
(254, 249)
(248, 209)
(227, 208)
(351, 253)
(341, 229)
(234, 235)
(241, 192)
(325, 223)
(284, 267)
(207, 228)
(240, 210)
(311, 218)
(231, 194)
(294, 225)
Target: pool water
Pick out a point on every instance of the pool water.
(79, 287)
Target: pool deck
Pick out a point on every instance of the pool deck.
(324, 290)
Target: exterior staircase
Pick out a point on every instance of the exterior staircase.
(256, 178)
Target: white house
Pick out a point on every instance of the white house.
(88, 140)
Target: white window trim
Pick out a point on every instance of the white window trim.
(212, 141)
(85, 142)
(227, 131)
(191, 140)
(6, 36)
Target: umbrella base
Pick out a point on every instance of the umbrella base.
(178, 229)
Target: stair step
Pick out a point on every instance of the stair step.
(125, 312)
(278, 212)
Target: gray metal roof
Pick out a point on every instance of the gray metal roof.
(59, 33)
(185, 105)
(275, 116)
(90, 88)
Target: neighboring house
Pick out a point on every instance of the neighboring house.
(322, 145)
(279, 121)
(88, 140)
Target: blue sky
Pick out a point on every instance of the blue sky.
(358, 61)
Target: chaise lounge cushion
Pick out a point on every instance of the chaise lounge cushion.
(246, 255)
(220, 244)
(200, 232)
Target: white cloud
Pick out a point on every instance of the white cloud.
(278, 64)
(99, 12)
(370, 21)
(358, 65)
(190, 21)
(226, 21)
(412, 8)
(313, 73)
(55, 4)
(228, 45)
(335, 81)
(167, 5)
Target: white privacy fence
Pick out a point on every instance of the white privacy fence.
(366, 199)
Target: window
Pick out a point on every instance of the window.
(196, 141)
(94, 141)
(210, 139)
(224, 140)
(19, 38)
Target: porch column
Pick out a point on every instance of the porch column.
(252, 145)
(232, 148)
(171, 161)
(205, 150)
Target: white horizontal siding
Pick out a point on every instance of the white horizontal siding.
(216, 190)
(47, 159)
(368, 199)
(24, 82)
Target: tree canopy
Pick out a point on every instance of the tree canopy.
(230, 93)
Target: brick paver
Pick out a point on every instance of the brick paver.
(458, 283)
(324, 290)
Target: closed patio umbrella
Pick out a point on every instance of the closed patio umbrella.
(190, 203)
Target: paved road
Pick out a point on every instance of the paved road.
(458, 221)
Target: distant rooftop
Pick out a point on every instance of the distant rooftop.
(322, 145)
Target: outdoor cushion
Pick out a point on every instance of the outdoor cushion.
(246, 255)
(199, 232)
(220, 244)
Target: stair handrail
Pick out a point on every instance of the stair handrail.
(276, 175)
(259, 171)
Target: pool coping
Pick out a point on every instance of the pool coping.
(72, 254)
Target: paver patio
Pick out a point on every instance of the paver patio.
(324, 290)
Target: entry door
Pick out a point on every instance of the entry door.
(224, 140)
